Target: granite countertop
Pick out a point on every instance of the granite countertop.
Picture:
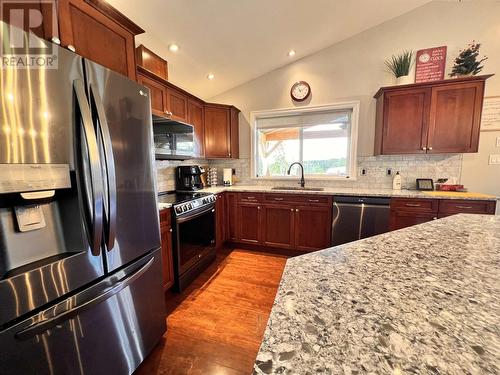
(344, 192)
(355, 192)
(421, 300)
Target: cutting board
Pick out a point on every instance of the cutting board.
(459, 194)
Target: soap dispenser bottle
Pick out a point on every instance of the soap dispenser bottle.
(396, 182)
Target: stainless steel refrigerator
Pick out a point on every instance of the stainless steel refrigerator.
(80, 268)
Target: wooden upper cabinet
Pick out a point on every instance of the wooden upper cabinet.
(47, 29)
(151, 62)
(455, 117)
(406, 114)
(100, 33)
(177, 104)
(432, 117)
(221, 131)
(158, 94)
(196, 118)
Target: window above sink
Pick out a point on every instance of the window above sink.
(322, 138)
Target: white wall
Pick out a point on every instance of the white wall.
(354, 69)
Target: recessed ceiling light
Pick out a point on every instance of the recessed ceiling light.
(173, 47)
(291, 53)
(210, 76)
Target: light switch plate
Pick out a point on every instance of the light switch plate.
(494, 159)
(498, 141)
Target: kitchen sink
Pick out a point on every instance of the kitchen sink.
(297, 188)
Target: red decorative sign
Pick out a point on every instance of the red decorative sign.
(430, 64)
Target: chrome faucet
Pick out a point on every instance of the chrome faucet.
(302, 181)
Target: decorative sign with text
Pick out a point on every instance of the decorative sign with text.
(430, 64)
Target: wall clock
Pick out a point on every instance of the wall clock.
(300, 91)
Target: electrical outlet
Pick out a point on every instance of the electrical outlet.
(363, 172)
(389, 172)
(494, 159)
(498, 141)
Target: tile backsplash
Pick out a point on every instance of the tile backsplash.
(410, 167)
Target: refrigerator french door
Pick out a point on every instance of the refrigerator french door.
(80, 269)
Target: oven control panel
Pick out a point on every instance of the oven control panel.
(194, 204)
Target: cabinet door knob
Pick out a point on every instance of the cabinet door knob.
(258, 207)
(71, 48)
(296, 210)
(424, 148)
(430, 148)
(291, 209)
(434, 218)
(55, 40)
(170, 230)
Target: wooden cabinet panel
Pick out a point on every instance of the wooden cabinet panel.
(298, 198)
(250, 197)
(313, 228)
(455, 118)
(415, 205)
(220, 225)
(402, 219)
(158, 94)
(195, 117)
(405, 121)
(47, 29)
(249, 223)
(431, 117)
(278, 226)
(217, 132)
(234, 129)
(231, 200)
(177, 104)
(96, 36)
(455, 206)
(151, 62)
(166, 249)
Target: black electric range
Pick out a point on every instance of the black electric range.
(193, 234)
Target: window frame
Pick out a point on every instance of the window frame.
(349, 105)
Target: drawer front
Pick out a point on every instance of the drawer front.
(414, 205)
(308, 199)
(250, 197)
(455, 206)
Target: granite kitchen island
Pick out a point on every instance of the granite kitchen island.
(421, 300)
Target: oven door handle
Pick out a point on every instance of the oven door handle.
(194, 215)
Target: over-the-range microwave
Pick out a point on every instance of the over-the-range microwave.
(173, 139)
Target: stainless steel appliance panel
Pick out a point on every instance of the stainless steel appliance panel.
(355, 218)
(37, 110)
(122, 113)
(108, 328)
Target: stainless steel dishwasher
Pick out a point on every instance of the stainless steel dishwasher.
(355, 218)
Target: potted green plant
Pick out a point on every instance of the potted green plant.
(467, 63)
(400, 66)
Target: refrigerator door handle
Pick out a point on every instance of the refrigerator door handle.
(54, 320)
(96, 201)
(110, 173)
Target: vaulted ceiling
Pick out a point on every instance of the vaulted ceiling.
(238, 40)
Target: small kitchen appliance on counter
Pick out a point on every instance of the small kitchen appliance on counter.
(188, 178)
(227, 176)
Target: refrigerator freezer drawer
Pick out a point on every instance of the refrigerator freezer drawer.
(109, 332)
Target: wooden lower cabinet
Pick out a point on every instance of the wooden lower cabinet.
(220, 218)
(313, 228)
(249, 221)
(278, 226)
(231, 201)
(406, 212)
(166, 249)
(261, 219)
(402, 219)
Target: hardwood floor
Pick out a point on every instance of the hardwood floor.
(216, 325)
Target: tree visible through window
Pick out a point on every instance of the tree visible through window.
(320, 140)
